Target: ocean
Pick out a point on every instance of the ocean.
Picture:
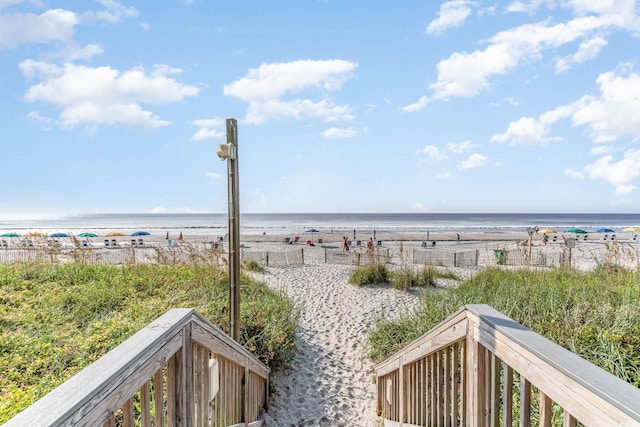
(291, 223)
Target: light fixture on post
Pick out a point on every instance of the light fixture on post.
(229, 152)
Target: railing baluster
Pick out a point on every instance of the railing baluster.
(507, 397)
(447, 386)
(525, 402)
(455, 388)
(568, 420)
(545, 410)
(158, 398)
(127, 414)
(495, 390)
(145, 405)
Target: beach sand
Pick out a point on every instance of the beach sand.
(331, 381)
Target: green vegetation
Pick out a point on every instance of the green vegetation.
(596, 314)
(372, 274)
(57, 319)
(401, 279)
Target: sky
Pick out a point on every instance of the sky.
(341, 105)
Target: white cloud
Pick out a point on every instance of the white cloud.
(267, 87)
(113, 13)
(159, 209)
(526, 130)
(459, 147)
(339, 133)
(574, 173)
(416, 106)
(103, 95)
(588, 50)
(209, 129)
(215, 178)
(608, 115)
(419, 207)
(432, 152)
(50, 26)
(475, 160)
(466, 74)
(452, 14)
(619, 174)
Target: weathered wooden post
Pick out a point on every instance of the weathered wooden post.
(229, 152)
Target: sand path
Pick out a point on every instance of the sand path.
(331, 382)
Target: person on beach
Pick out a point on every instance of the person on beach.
(370, 245)
(345, 244)
(545, 238)
(458, 235)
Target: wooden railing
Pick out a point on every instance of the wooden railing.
(178, 371)
(481, 368)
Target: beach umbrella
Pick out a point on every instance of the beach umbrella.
(58, 235)
(35, 234)
(180, 236)
(576, 230)
(114, 234)
(632, 229)
(11, 235)
(140, 233)
(547, 231)
(312, 231)
(605, 230)
(87, 235)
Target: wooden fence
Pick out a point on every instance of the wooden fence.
(178, 371)
(481, 368)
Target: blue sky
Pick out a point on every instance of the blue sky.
(342, 106)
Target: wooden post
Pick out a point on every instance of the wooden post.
(234, 229)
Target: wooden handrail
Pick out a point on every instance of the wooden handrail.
(464, 371)
(164, 370)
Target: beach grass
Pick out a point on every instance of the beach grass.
(402, 278)
(58, 318)
(595, 315)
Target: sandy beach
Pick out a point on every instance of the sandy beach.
(330, 383)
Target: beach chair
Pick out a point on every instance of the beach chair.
(554, 239)
(296, 239)
(106, 242)
(286, 240)
(140, 242)
(359, 243)
(113, 242)
(85, 244)
(134, 242)
(635, 238)
(584, 238)
(613, 237)
(424, 244)
(605, 237)
(379, 242)
(4, 244)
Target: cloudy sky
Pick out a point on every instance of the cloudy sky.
(342, 106)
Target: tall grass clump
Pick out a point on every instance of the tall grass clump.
(406, 277)
(57, 319)
(596, 314)
(372, 274)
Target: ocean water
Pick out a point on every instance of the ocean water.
(291, 223)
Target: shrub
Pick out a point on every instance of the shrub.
(372, 274)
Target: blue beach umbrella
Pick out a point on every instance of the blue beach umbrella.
(140, 233)
(58, 235)
(605, 230)
(312, 231)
